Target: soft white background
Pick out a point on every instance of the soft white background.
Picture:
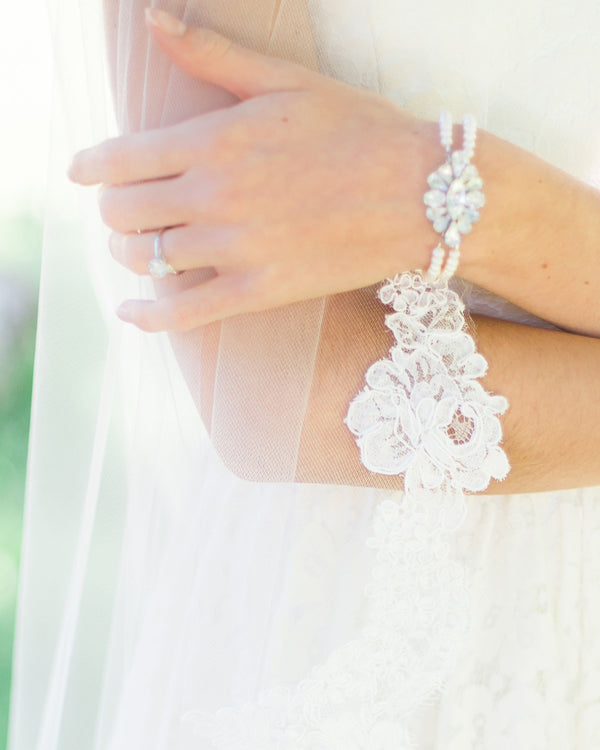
(25, 92)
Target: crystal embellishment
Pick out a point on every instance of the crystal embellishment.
(455, 197)
(159, 268)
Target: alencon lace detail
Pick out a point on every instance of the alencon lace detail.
(422, 414)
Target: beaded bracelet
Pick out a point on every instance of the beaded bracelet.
(454, 198)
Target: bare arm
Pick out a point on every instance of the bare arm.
(550, 378)
(552, 428)
(537, 242)
(522, 250)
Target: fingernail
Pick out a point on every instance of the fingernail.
(165, 22)
(124, 313)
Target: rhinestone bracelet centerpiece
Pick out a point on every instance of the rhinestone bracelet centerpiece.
(455, 197)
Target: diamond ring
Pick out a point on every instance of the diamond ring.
(158, 267)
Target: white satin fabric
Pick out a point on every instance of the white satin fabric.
(158, 588)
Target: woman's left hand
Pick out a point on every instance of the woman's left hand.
(305, 187)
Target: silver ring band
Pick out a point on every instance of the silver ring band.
(158, 267)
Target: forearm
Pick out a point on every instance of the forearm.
(551, 429)
(369, 161)
(535, 214)
(537, 241)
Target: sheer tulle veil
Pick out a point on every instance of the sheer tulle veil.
(199, 570)
(154, 511)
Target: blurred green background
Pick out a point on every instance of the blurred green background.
(20, 237)
(26, 94)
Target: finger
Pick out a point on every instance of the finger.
(150, 155)
(146, 206)
(184, 248)
(214, 58)
(221, 297)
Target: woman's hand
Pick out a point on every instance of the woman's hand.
(305, 187)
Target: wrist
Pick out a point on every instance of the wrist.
(450, 193)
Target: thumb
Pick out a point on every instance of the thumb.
(205, 54)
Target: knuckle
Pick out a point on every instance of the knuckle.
(116, 245)
(114, 211)
(224, 199)
(145, 318)
(178, 316)
(231, 248)
(212, 46)
(230, 138)
(130, 250)
(112, 159)
(208, 198)
(250, 288)
(108, 204)
(134, 253)
(147, 326)
(225, 143)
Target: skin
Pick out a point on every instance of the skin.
(233, 187)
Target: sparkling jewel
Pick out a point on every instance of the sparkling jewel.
(435, 198)
(463, 224)
(476, 199)
(435, 213)
(455, 196)
(445, 172)
(470, 172)
(459, 162)
(446, 130)
(457, 192)
(452, 235)
(455, 210)
(474, 184)
(441, 223)
(437, 181)
(159, 268)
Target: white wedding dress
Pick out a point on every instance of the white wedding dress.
(168, 604)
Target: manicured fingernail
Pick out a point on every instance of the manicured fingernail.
(124, 313)
(165, 22)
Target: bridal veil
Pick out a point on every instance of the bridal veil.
(198, 571)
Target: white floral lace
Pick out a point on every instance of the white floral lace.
(422, 414)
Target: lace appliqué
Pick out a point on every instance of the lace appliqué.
(422, 414)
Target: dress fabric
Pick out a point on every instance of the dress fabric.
(168, 603)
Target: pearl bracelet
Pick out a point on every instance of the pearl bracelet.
(454, 198)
